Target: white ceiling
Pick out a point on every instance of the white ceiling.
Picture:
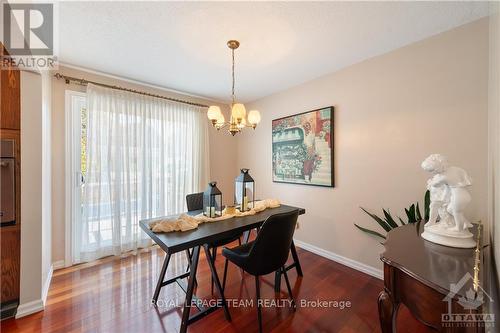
(182, 46)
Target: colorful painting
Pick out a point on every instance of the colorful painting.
(303, 148)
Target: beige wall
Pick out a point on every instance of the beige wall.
(31, 188)
(36, 246)
(391, 112)
(222, 158)
(46, 181)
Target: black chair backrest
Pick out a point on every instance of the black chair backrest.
(272, 245)
(194, 201)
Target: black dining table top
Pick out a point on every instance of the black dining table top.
(208, 232)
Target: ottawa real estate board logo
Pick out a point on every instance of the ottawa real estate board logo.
(472, 300)
(28, 35)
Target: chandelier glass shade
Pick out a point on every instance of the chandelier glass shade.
(239, 118)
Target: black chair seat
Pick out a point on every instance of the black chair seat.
(239, 254)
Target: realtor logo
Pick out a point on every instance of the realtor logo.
(471, 302)
(28, 29)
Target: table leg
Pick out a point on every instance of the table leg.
(277, 281)
(188, 257)
(387, 312)
(214, 257)
(161, 278)
(189, 293)
(215, 277)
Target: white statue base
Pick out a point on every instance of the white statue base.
(445, 236)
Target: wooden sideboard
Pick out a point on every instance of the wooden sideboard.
(10, 236)
(436, 283)
(10, 102)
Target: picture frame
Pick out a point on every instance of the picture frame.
(303, 148)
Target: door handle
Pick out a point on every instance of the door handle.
(80, 179)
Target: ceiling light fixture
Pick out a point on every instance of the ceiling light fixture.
(239, 118)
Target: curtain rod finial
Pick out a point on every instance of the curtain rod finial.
(60, 76)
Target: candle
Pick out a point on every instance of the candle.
(245, 203)
(210, 211)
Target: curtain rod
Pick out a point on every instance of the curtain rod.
(83, 82)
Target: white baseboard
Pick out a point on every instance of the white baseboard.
(38, 304)
(378, 273)
(29, 308)
(58, 264)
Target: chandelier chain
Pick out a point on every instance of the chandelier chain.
(232, 91)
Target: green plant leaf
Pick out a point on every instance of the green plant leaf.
(381, 222)
(410, 212)
(368, 231)
(401, 220)
(427, 204)
(413, 214)
(418, 216)
(389, 219)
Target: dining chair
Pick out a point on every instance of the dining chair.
(194, 202)
(267, 253)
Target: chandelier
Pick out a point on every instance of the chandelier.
(239, 118)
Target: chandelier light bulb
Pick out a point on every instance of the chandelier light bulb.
(254, 117)
(238, 111)
(213, 112)
(220, 120)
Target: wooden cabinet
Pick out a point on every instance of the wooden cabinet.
(440, 285)
(10, 99)
(10, 231)
(10, 258)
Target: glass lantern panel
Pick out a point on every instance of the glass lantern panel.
(248, 197)
(213, 208)
(218, 205)
(210, 208)
(238, 193)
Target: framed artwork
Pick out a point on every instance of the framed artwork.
(303, 148)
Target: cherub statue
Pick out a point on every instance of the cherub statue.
(448, 192)
(439, 194)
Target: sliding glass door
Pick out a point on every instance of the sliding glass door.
(131, 158)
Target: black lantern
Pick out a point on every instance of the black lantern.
(244, 191)
(212, 201)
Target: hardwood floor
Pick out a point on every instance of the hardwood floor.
(114, 294)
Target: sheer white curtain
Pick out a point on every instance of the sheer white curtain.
(144, 155)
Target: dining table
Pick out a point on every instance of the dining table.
(192, 241)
